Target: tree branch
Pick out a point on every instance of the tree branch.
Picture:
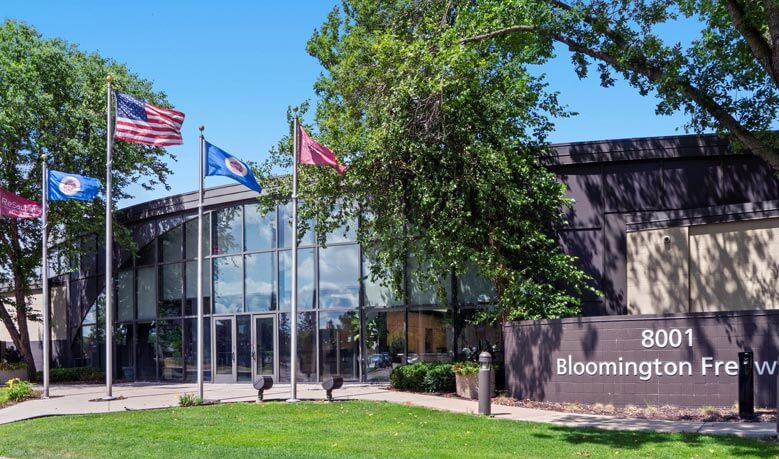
(498, 33)
(754, 38)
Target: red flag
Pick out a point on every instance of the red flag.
(315, 153)
(12, 205)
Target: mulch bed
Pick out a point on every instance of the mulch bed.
(666, 412)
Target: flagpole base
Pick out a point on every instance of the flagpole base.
(108, 398)
(293, 400)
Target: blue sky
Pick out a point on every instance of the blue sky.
(235, 66)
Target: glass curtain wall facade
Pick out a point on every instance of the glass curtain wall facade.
(348, 325)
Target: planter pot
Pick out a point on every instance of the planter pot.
(5, 376)
(468, 386)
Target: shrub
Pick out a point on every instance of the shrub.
(465, 368)
(18, 390)
(190, 400)
(12, 366)
(423, 377)
(75, 374)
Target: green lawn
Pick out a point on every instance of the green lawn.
(341, 429)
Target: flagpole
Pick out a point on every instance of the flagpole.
(293, 378)
(45, 275)
(109, 238)
(200, 344)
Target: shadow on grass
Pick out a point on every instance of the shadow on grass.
(635, 440)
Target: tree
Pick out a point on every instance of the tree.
(53, 103)
(443, 144)
(726, 79)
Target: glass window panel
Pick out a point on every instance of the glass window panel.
(91, 315)
(228, 285)
(147, 255)
(306, 285)
(473, 288)
(378, 294)
(430, 336)
(145, 356)
(228, 231)
(285, 235)
(190, 305)
(339, 276)
(146, 288)
(260, 231)
(91, 345)
(306, 347)
(339, 350)
(190, 349)
(243, 358)
(421, 292)
(385, 338)
(474, 337)
(190, 236)
(171, 244)
(170, 344)
(260, 291)
(171, 283)
(123, 339)
(344, 233)
(125, 303)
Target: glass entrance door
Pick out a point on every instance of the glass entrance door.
(264, 350)
(224, 350)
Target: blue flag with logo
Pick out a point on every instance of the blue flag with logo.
(219, 162)
(64, 186)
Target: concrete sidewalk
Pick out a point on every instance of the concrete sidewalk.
(80, 399)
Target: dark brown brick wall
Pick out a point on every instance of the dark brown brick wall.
(533, 347)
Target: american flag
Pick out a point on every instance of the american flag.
(139, 122)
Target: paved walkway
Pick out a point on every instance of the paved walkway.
(81, 399)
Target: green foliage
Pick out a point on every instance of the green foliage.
(465, 368)
(12, 366)
(725, 77)
(53, 103)
(18, 390)
(190, 400)
(444, 145)
(423, 377)
(75, 374)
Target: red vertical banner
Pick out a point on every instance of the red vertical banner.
(12, 205)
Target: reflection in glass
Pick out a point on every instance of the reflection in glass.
(264, 353)
(223, 337)
(228, 285)
(344, 233)
(91, 344)
(171, 243)
(146, 296)
(190, 235)
(147, 255)
(260, 229)
(190, 305)
(420, 292)
(473, 288)
(339, 277)
(125, 298)
(170, 290)
(228, 231)
(306, 347)
(474, 337)
(378, 293)
(339, 349)
(190, 349)
(285, 235)
(260, 291)
(306, 285)
(145, 357)
(170, 345)
(123, 341)
(384, 342)
(243, 343)
(430, 336)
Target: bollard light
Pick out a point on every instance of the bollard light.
(331, 384)
(485, 388)
(262, 383)
(746, 385)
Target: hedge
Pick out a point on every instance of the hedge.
(75, 374)
(423, 377)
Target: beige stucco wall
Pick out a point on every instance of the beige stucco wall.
(59, 325)
(657, 271)
(735, 266)
(717, 267)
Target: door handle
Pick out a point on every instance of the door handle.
(254, 355)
